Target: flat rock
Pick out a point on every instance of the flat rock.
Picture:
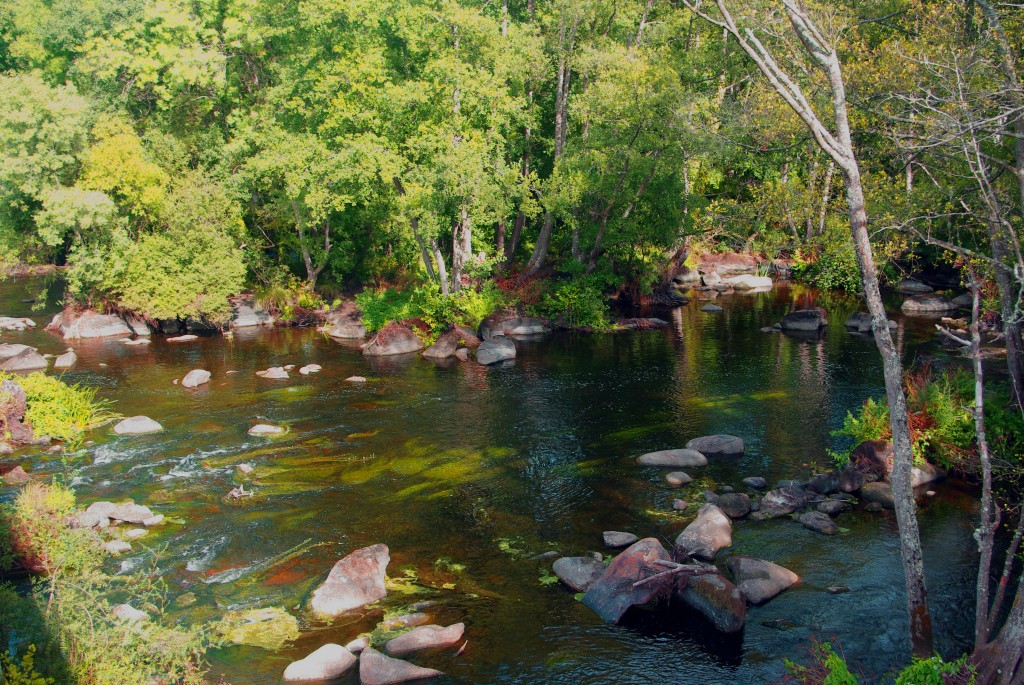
(134, 533)
(756, 482)
(760, 580)
(130, 513)
(136, 341)
(137, 425)
(711, 309)
(717, 445)
(426, 637)
(8, 350)
(678, 479)
(909, 286)
(265, 429)
(356, 580)
(677, 458)
(614, 592)
(579, 573)
(188, 337)
(377, 669)
(818, 522)
(326, 663)
(750, 282)
(26, 360)
(926, 305)
(616, 539)
(15, 323)
(710, 532)
(310, 368)
(717, 599)
(275, 373)
(355, 379)
(195, 378)
(496, 349)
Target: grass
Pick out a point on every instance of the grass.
(58, 410)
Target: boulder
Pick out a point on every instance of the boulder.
(717, 445)
(348, 329)
(358, 644)
(860, 322)
(878, 493)
(717, 599)
(354, 581)
(8, 350)
(15, 476)
(678, 458)
(462, 354)
(443, 347)
(750, 282)
(710, 532)
(265, 429)
(326, 663)
(909, 286)
(579, 573)
(873, 458)
(88, 324)
(804, 320)
(245, 314)
(129, 512)
(138, 326)
(760, 580)
(426, 637)
(26, 360)
(711, 308)
(117, 547)
(522, 326)
(781, 501)
(195, 378)
(678, 479)
(926, 305)
(735, 505)
(850, 479)
(14, 323)
(393, 339)
(378, 669)
(818, 522)
(921, 474)
(824, 483)
(137, 425)
(616, 539)
(756, 482)
(496, 349)
(66, 360)
(965, 301)
(833, 507)
(614, 592)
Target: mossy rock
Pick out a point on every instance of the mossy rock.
(269, 628)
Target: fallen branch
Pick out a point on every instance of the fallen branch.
(675, 569)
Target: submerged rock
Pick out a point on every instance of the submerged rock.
(195, 378)
(326, 663)
(579, 573)
(378, 669)
(833, 507)
(717, 599)
(678, 458)
(137, 425)
(269, 628)
(819, 522)
(426, 637)
(860, 322)
(356, 580)
(717, 445)
(614, 592)
(496, 349)
(760, 580)
(711, 309)
(710, 532)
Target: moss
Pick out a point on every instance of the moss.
(269, 628)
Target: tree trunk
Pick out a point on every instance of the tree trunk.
(442, 272)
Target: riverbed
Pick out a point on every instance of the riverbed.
(466, 472)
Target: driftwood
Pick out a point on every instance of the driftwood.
(673, 569)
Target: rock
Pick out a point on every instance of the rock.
(878, 493)
(804, 320)
(155, 520)
(137, 425)
(134, 533)
(245, 314)
(908, 286)
(850, 479)
(265, 429)
(354, 581)
(378, 669)
(12, 414)
(26, 360)
(760, 580)
(644, 324)
(355, 379)
(616, 539)
(195, 378)
(126, 613)
(348, 329)
(66, 360)
(614, 593)
(678, 458)
(750, 282)
(679, 505)
(310, 368)
(926, 305)
(579, 573)
(137, 341)
(13, 323)
(462, 354)
(921, 474)
(183, 338)
(245, 469)
(818, 522)
(326, 663)
(521, 326)
(393, 339)
(404, 621)
(756, 482)
(269, 628)
(735, 505)
(833, 507)
(15, 476)
(88, 324)
(824, 483)
(710, 532)
(138, 326)
(717, 599)
(964, 301)
(873, 507)
(444, 347)
(717, 445)
(117, 547)
(130, 513)
(678, 479)
(710, 497)
(711, 308)
(8, 350)
(357, 645)
(274, 373)
(781, 501)
(426, 637)
(288, 367)
(861, 323)
(496, 349)
(873, 458)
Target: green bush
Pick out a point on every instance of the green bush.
(578, 303)
(931, 671)
(468, 307)
(831, 263)
(63, 412)
(870, 423)
(826, 667)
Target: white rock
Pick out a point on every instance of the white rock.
(273, 373)
(117, 547)
(183, 338)
(265, 429)
(137, 425)
(310, 368)
(135, 533)
(245, 468)
(137, 341)
(153, 520)
(326, 663)
(355, 379)
(65, 361)
(195, 378)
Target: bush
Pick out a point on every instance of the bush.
(831, 263)
(826, 667)
(935, 671)
(870, 423)
(468, 307)
(578, 303)
(61, 411)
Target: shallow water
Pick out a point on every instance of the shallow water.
(466, 472)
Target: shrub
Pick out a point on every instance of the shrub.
(63, 412)
(831, 262)
(825, 668)
(870, 423)
(578, 303)
(936, 671)
(468, 307)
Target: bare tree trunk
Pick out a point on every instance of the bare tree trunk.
(839, 147)
(442, 272)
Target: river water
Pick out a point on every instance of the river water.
(466, 472)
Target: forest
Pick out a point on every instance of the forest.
(441, 160)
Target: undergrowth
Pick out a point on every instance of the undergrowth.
(59, 410)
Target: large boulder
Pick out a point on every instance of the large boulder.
(327, 663)
(523, 326)
(678, 458)
(137, 425)
(579, 573)
(393, 339)
(760, 580)
(804, 320)
(717, 445)
(874, 458)
(443, 347)
(195, 378)
(138, 325)
(378, 669)
(355, 581)
(496, 349)
(735, 505)
(717, 599)
(819, 522)
(88, 324)
(8, 350)
(14, 323)
(781, 501)
(616, 590)
(710, 532)
(245, 314)
(348, 329)
(129, 512)
(26, 360)
(927, 305)
(426, 637)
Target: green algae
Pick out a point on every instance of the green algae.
(270, 628)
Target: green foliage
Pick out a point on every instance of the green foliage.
(826, 668)
(23, 673)
(870, 423)
(61, 411)
(468, 307)
(932, 671)
(578, 303)
(831, 263)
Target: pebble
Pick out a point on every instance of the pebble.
(678, 478)
(355, 379)
(679, 505)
